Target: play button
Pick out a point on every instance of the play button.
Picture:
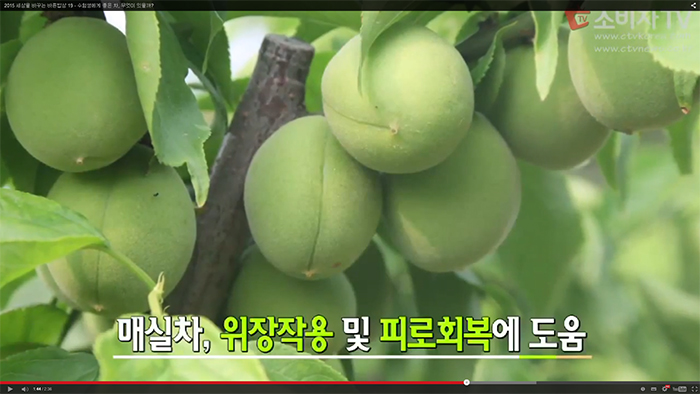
(9, 388)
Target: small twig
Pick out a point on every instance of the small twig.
(275, 96)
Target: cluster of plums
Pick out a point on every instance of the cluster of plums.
(401, 152)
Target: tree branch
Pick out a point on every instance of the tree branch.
(275, 96)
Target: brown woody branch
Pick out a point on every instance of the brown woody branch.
(275, 96)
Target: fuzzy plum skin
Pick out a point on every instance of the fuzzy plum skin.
(557, 133)
(626, 90)
(416, 104)
(261, 290)
(144, 210)
(71, 96)
(456, 213)
(312, 209)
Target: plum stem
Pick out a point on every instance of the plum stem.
(145, 278)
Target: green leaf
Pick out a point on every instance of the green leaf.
(398, 270)
(204, 30)
(689, 246)
(36, 231)
(684, 84)
(309, 30)
(442, 294)
(486, 276)
(674, 43)
(506, 302)
(546, 45)
(216, 29)
(176, 125)
(32, 291)
(676, 312)
(350, 19)
(375, 292)
(439, 295)
(471, 24)
(35, 325)
(487, 90)
(32, 23)
(10, 23)
(607, 160)
(682, 144)
(423, 17)
(8, 290)
(613, 159)
(205, 103)
(21, 166)
(448, 24)
(303, 370)
(482, 65)
(547, 236)
(314, 103)
(374, 23)
(334, 40)
(219, 126)
(107, 346)
(49, 364)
